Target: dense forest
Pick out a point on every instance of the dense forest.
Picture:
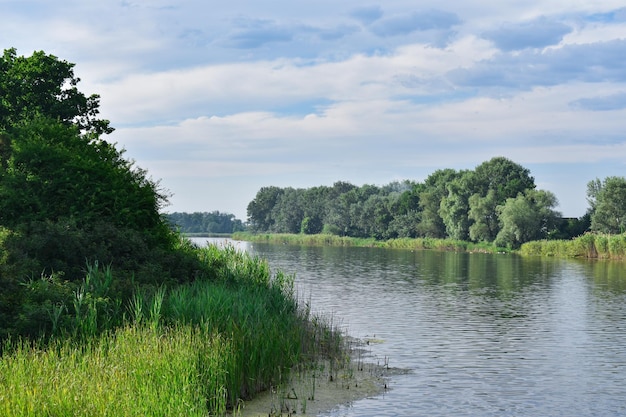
(497, 202)
(213, 222)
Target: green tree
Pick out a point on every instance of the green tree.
(502, 176)
(608, 204)
(260, 209)
(44, 85)
(454, 207)
(287, 212)
(315, 201)
(483, 213)
(430, 197)
(529, 216)
(54, 172)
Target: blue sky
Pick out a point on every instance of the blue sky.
(218, 99)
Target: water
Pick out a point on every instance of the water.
(483, 335)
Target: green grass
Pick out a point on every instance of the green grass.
(589, 245)
(194, 349)
(401, 243)
(134, 371)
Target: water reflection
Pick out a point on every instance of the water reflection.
(485, 335)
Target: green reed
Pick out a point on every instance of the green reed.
(589, 245)
(134, 371)
(194, 349)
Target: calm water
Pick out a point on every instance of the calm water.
(484, 335)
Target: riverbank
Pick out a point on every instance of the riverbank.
(402, 243)
(325, 385)
(586, 246)
(193, 349)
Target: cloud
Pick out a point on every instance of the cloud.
(254, 33)
(615, 101)
(595, 62)
(617, 15)
(367, 14)
(538, 33)
(417, 21)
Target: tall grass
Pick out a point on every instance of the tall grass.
(134, 371)
(194, 349)
(589, 245)
(400, 243)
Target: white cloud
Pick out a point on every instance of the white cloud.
(235, 95)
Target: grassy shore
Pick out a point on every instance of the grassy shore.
(197, 349)
(587, 246)
(401, 243)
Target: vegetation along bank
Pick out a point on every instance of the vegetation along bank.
(104, 310)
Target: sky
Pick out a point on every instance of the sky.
(219, 99)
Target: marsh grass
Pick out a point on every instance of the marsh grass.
(134, 371)
(589, 245)
(400, 243)
(198, 348)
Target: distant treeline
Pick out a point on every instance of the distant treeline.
(497, 202)
(213, 222)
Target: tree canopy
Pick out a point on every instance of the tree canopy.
(470, 205)
(41, 84)
(69, 198)
(607, 200)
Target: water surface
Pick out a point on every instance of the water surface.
(484, 335)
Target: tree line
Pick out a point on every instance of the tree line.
(204, 222)
(497, 202)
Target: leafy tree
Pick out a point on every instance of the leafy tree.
(213, 222)
(484, 215)
(68, 197)
(529, 216)
(287, 212)
(502, 176)
(55, 172)
(314, 206)
(608, 204)
(44, 85)
(454, 207)
(260, 209)
(434, 191)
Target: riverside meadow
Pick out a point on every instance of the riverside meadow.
(200, 348)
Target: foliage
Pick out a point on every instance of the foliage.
(608, 204)
(527, 217)
(208, 344)
(44, 85)
(54, 172)
(213, 222)
(589, 245)
(460, 205)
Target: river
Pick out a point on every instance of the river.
(482, 335)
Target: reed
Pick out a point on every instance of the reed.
(134, 371)
(589, 245)
(400, 243)
(194, 349)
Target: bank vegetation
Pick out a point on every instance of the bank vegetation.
(104, 309)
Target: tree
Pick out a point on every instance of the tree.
(44, 85)
(502, 176)
(287, 212)
(260, 209)
(608, 204)
(484, 215)
(454, 208)
(54, 172)
(529, 216)
(434, 190)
